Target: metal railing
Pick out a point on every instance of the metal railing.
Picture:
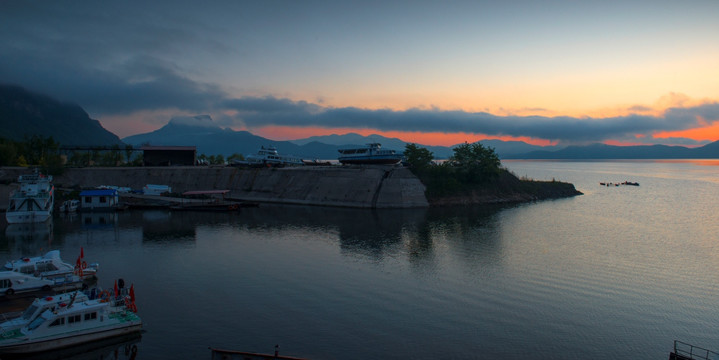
(689, 351)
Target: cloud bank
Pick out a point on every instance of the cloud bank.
(265, 111)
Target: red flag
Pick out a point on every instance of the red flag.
(132, 293)
(116, 289)
(82, 254)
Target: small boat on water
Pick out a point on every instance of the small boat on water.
(39, 306)
(33, 202)
(81, 320)
(12, 283)
(51, 266)
(69, 206)
(369, 154)
(268, 156)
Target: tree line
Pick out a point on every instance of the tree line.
(470, 166)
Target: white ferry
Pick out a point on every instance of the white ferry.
(39, 306)
(78, 321)
(268, 156)
(369, 154)
(12, 282)
(51, 266)
(33, 202)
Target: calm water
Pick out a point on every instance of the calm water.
(619, 272)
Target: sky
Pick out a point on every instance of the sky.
(430, 72)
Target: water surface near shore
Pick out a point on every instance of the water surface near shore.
(617, 272)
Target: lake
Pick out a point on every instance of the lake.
(619, 272)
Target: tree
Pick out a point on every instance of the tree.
(235, 156)
(418, 158)
(475, 163)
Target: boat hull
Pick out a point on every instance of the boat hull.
(24, 217)
(35, 346)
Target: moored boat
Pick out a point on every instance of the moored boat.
(51, 266)
(70, 206)
(79, 321)
(369, 154)
(269, 156)
(33, 202)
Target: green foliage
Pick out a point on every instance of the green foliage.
(470, 166)
(235, 156)
(475, 163)
(419, 159)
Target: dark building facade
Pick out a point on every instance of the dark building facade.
(169, 155)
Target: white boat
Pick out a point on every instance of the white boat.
(69, 206)
(79, 321)
(51, 266)
(12, 283)
(33, 202)
(268, 156)
(369, 154)
(38, 306)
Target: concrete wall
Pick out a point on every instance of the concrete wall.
(347, 186)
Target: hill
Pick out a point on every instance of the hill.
(603, 151)
(24, 114)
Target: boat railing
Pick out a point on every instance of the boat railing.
(685, 351)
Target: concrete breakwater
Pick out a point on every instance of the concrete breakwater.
(346, 186)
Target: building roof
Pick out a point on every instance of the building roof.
(176, 148)
(99, 192)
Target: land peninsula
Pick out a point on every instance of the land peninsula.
(472, 176)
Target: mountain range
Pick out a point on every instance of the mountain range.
(212, 139)
(23, 114)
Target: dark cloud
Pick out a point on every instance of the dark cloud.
(255, 112)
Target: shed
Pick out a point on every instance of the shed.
(169, 155)
(99, 200)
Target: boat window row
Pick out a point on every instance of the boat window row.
(72, 319)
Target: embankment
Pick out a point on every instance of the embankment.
(346, 186)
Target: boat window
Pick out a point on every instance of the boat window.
(27, 269)
(58, 321)
(37, 322)
(88, 199)
(73, 319)
(5, 283)
(91, 316)
(29, 312)
(361, 151)
(103, 200)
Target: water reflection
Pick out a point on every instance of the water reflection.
(116, 348)
(28, 237)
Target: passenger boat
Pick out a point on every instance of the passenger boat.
(51, 266)
(369, 154)
(12, 283)
(39, 306)
(268, 156)
(79, 321)
(33, 202)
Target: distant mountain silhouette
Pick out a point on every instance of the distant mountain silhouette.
(211, 139)
(603, 151)
(24, 114)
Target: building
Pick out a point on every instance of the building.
(99, 200)
(169, 155)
